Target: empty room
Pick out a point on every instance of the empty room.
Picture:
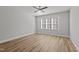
(39, 29)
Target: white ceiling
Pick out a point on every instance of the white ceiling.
(50, 9)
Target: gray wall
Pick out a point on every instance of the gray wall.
(14, 22)
(63, 27)
(74, 26)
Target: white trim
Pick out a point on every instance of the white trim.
(75, 44)
(63, 35)
(13, 38)
(54, 34)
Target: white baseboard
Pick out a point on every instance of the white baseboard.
(55, 35)
(6, 40)
(75, 44)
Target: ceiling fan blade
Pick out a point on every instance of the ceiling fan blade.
(44, 8)
(35, 7)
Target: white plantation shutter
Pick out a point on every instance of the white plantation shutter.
(51, 24)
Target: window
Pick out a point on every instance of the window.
(43, 24)
(54, 23)
(49, 23)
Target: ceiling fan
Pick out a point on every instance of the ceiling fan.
(40, 8)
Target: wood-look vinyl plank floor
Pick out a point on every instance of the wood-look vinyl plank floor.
(39, 43)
